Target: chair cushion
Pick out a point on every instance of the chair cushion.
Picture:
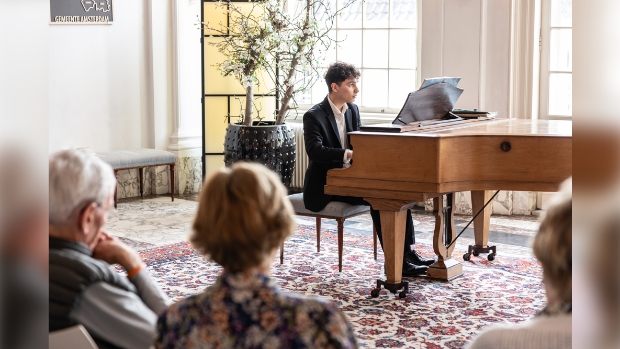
(333, 209)
(132, 158)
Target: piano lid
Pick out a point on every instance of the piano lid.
(432, 102)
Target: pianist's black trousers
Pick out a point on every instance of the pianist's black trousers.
(376, 219)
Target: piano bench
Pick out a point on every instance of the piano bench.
(339, 211)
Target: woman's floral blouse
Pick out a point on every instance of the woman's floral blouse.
(247, 310)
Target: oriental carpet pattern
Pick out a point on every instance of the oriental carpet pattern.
(433, 315)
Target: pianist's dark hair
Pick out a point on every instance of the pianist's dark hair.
(339, 72)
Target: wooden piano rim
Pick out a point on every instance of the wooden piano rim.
(450, 135)
(425, 191)
(454, 130)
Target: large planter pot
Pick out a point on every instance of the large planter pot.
(264, 142)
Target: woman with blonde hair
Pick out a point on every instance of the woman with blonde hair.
(243, 217)
(552, 327)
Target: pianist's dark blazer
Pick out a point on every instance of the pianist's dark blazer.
(324, 149)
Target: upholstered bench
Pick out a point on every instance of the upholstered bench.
(140, 158)
(339, 211)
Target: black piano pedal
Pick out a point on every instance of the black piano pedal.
(476, 250)
(404, 285)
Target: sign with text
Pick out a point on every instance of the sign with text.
(81, 12)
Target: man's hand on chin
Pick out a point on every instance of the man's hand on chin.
(110, 249)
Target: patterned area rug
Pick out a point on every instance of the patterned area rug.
(434, 314)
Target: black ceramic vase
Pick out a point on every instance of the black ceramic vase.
(264, 142)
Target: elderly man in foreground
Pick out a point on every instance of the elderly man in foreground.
(117, 311)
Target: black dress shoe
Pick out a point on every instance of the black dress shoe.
(414, 258)
(412, 269)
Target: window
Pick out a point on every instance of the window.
(380, 38)
(556, 83)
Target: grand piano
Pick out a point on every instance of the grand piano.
(392, 171)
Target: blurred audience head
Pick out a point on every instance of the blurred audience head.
(243, 216)
(23, 208)
(24, 259)
(606, 271)
(81, 190)
(553, 246)
(598, 281)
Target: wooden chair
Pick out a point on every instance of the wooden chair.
(73, 337)
(339, 211)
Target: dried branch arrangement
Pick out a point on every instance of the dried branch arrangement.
(286, 39)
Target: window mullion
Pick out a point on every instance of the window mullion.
(380, 21)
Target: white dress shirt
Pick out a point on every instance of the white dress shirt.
(342, 131)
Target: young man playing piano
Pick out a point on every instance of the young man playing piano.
(327, 144)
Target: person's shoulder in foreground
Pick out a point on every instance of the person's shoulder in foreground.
(237, 312)
(550, 332)
(552, 246)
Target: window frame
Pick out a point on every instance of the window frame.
(382, 113)
(545, 64)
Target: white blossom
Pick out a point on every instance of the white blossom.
(247, 81)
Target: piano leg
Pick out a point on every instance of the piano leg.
(446, 267)
(481, 225)
(393, 228)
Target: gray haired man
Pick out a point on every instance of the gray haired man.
(117, 311)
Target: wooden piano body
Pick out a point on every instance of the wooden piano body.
(394, 170)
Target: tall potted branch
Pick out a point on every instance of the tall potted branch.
(246, 44)
(299, 45)
(288, 43)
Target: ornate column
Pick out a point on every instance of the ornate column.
(186, 109)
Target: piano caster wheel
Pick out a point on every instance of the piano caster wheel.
(467, 257)
(491, 257)
(375, 292)
(475, 253)
(402, 294)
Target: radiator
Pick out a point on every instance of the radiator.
(301, 158)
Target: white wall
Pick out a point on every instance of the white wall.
(469, 39)
(473, 39)
(103, 80)
(134, 83)
(23, 73)
(98, 82)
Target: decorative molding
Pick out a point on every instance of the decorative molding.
(175, 76)
(185, 145)
(150, 76)
(483, 48)
(188, 175)
(176, 68)
(180, 143)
